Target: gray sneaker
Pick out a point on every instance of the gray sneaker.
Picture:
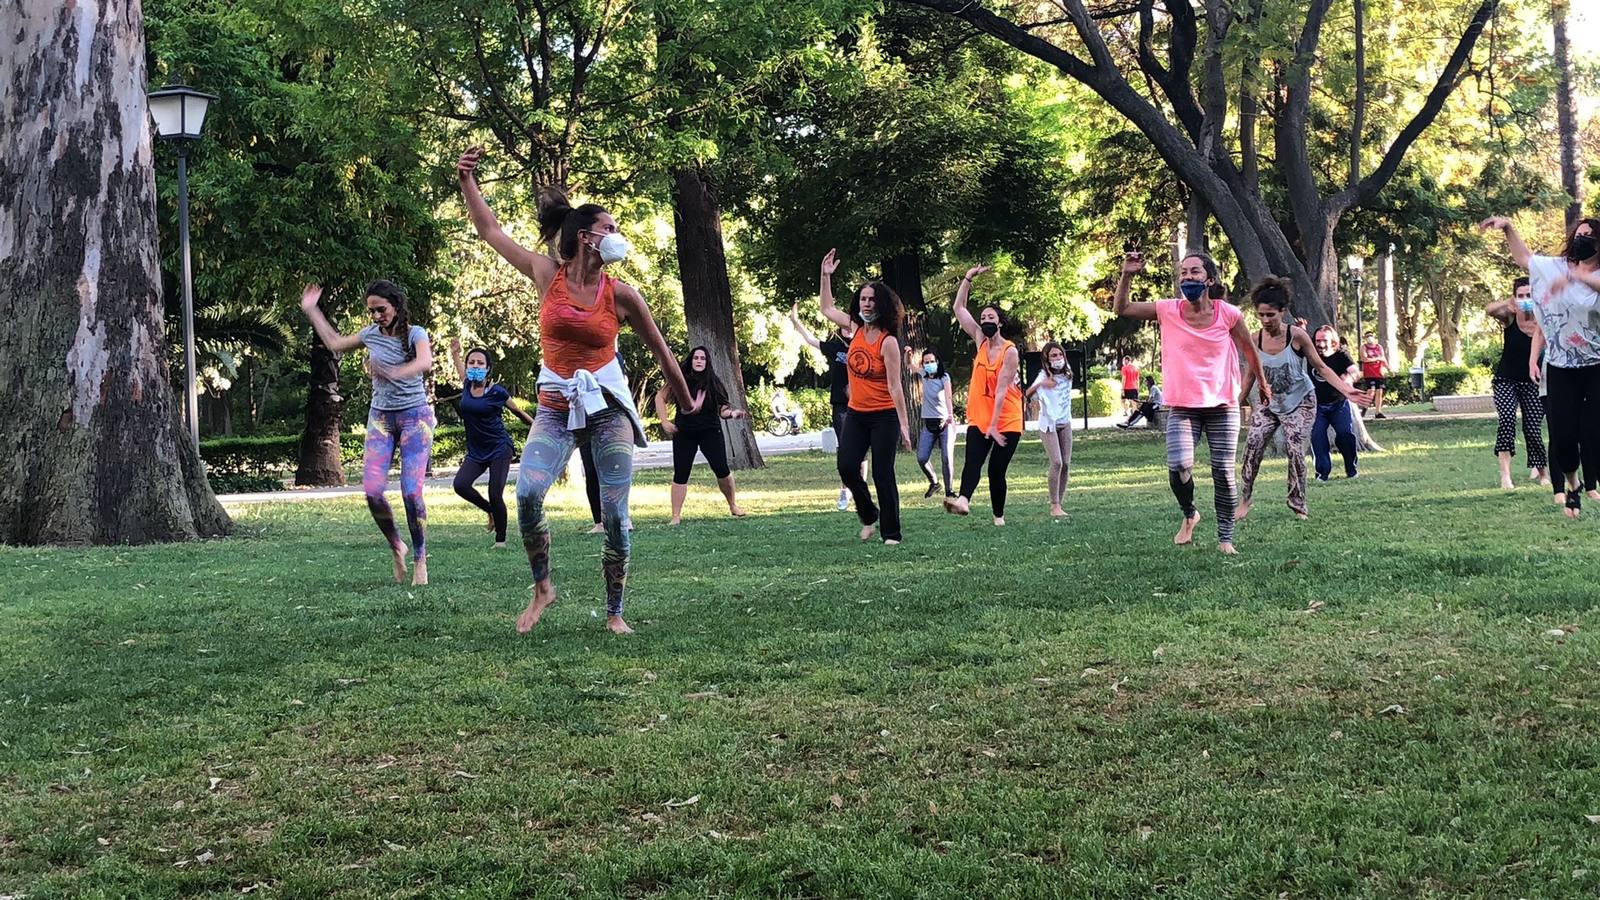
(844, 500)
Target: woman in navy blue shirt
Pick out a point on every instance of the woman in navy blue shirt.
(489, 446)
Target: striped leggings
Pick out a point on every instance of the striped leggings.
(1220, 427)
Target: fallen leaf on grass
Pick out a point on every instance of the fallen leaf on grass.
(1556, 632)
(701, 695)
(1593, 820)
(393, 846)
(1313, 606)
(214, 783)
(460, 774)
(837, 801)
(679, 804)
(129, 642)
(1393, 709)
(1145, 831)
(933, 808)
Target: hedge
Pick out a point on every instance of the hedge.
(259, 461)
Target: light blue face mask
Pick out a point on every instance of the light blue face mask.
(930, 368)
(475, 373)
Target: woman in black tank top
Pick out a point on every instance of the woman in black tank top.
(1515, 387)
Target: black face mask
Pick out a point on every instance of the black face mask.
(990, 328)
(1581, 248)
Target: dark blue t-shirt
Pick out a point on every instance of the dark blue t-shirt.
(487, 439)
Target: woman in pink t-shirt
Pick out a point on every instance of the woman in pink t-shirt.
(1202, 341)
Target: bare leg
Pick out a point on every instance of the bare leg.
(544, 594)
(726, 484)
(1505, 471)
(679, 492)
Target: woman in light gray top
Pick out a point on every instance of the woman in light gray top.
(398, 356)
(1054, 389)
(938, 412)
(1293, 403)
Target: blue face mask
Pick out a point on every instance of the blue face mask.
(930, 368)
(1192, 290)
(475, 373)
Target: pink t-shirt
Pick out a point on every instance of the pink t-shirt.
(1199, 366)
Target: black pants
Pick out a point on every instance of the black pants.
(495, 504)
(880, 433)
(979, 447)
(1572, 409)
(591, 479)
(708, 441)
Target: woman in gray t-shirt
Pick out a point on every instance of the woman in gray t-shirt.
(398, 356)
(1285, 350)
(938, 411)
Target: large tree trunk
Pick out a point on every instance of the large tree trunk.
(320, 464)
(708, 300)
(1566, 116)
(1387, 325)
(93, 445)
(902, 272)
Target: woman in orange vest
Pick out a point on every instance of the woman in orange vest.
(994, 404)
(583, 394)
(876, 418)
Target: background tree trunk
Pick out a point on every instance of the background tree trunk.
(319, 443)
(1566, 116)
(902, 272)
(93, 446)
(708, 300)
(1387, 325)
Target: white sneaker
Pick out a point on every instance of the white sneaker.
(844, 500)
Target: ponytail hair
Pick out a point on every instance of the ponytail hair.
(559, 222)
(396, 298)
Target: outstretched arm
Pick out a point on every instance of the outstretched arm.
(963, 317)
(457, 360)
(1252, 359)
(801, 329)
(1519, 249)
(632, 309)
(830, 264)
(1308, 349)
(1121, 306)
(330, 336)
(519, 412)
(541, 268)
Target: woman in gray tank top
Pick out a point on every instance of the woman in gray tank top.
(1285, 351)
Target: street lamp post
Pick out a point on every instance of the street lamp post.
(1355, 263)
(179, 114)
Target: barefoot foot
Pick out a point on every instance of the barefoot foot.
(618, 626)
(598, 529)
(419, 572)
(1506, 484)
(957, 505)
(736, 512)
(672, 521)
(999, 521)
(866, 532)
(1186, 531)
(1243, 510)
(499, 545)
(1226, 548)
(544, 594)
(399, 563)
(1057, 512)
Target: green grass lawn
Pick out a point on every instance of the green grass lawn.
(1366, 704)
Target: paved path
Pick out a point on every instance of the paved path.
(657, 455)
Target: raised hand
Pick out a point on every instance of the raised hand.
(1498, 223)
(830, 263)
(310, 297)
(467, 165)
(975, 271)
(1132, 262)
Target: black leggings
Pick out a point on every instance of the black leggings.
(979, 446)
(708, 441)
(880, 433)
(1572, 409)
(591, 479)
(495, 505)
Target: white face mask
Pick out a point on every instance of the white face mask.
(613, 248)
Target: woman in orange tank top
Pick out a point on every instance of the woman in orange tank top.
(994, 404)
(581, 309)
(876, 420)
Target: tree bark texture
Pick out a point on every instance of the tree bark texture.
(320, 462)
(902, 272)
(708, 300)
(1566, 115)
(94, 449)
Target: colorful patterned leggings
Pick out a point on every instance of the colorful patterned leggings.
(1296, 425)
(412, 430)
(610, 435)
(1220, 427)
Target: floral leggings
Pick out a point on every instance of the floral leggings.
(1296, 425)
(412, 430)
(610, 435)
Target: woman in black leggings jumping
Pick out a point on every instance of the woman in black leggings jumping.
(699, 432)
(483, 404)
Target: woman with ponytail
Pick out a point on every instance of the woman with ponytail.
(583, 394)
(398, 356)
(483, 406)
